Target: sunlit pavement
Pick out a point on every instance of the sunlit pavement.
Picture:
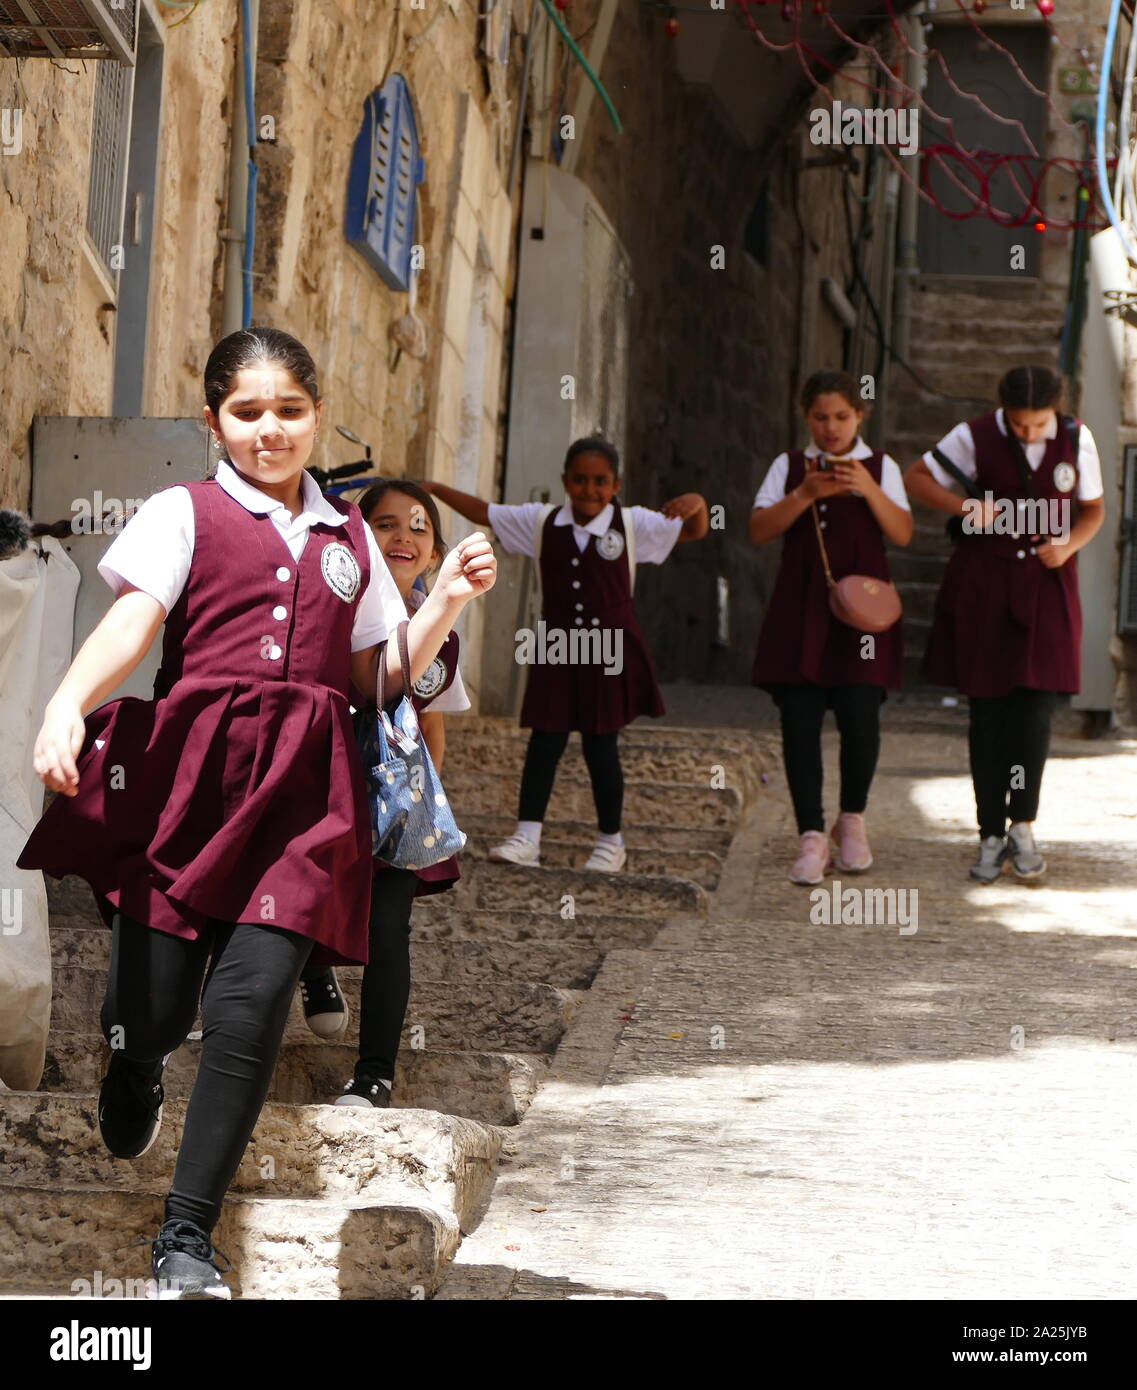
(765, 1106)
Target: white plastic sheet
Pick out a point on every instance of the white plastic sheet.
(37, 615)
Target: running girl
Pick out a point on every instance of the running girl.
(587, 551)
(224, 825)
(405, 520)
(806, 658)
(1007, 630)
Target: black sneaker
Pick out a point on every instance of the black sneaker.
(130, 1105)
(325, 1008)
(365, 1090)
(182, 1263)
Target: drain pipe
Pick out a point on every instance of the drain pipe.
(236, 296)
(907, 266)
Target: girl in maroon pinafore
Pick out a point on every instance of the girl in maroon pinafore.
(224, 825)
(405, 520)
(1007, 629)
(806, 659)
(596, 684)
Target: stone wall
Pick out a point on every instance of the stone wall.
(56, 332)
(714, 369)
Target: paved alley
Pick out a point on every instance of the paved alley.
(765, 1107)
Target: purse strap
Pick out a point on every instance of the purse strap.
(821, 542)
(404, 657)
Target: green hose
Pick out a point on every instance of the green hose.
(583, 61)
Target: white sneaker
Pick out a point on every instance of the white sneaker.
(607, 858)
(518, 849)
(1025, 856)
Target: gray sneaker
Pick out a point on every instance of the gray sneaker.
(989, 865)
(1024, 854)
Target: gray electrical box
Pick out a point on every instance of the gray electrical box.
(97, 470)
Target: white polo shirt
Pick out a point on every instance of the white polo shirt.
(959, 447)
(773, 487)
(654, 534)
(155, 549)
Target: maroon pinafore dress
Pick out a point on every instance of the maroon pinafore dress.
(1002, 619)
(237, 793)
(582, 588)
(801, 642)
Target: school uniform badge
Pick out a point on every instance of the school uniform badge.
(1065, 476)
(432, 680)
(610, 546)
(341, 571)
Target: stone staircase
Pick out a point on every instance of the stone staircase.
(965, 334)
(343, 1203)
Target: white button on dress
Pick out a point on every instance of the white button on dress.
(280, 612)
(274, 653)
(283, 573)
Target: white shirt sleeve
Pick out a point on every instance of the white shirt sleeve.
(959, 447)
(381, 609)
(892, 482)
(452, 700)
(656, 534)
(154, 550)
(516, 526)
(1090, 487)
(773, 487)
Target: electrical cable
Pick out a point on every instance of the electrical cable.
(1099, 133)
(583, 61)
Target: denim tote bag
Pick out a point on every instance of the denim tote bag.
(412, 825)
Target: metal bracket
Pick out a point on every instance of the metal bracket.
(1122, 304)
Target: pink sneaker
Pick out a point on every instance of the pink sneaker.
(812, 858)
(852, 843)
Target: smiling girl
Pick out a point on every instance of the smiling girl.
(224, 825)
(404, 518)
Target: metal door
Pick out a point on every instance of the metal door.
(980, 245)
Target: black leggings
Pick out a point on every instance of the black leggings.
(386, 986)
(802, 707)
(601, 753)
(1008, 740)
(154, 983)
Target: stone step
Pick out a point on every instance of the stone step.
(698, 866)
(365, 1248)
(645, 734)
(494, 1088)
(682, 838)
(438, 921)
(919, 568)
(482, 1015)
(681, 764)
(476, 794)
(569, 964)
(919, 601)
(317, 1151)
(504, 887)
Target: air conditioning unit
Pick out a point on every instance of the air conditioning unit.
(69, 29)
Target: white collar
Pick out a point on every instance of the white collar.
(315, 506)
(596, 527)
(1051, 431)
(860, 450)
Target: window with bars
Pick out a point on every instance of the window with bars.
(110, 140)
(386, 170)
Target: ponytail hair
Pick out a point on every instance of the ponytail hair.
(1031, 388)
